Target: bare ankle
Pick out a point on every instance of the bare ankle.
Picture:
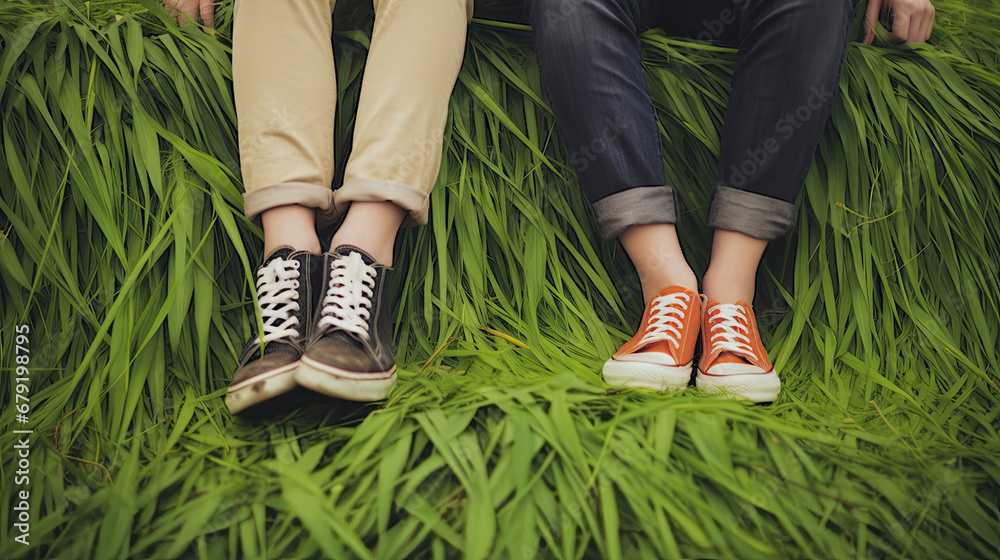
(290, 226)
(728, 286)
(371, 227)
(654, 283)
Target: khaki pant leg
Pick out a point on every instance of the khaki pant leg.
(285, 88)
(416, 52)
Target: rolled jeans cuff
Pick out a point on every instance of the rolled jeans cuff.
(415, 201)
(306, 194)
(756, 215)
(633, 207)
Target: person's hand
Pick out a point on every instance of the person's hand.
(184, 9)
(912, 20)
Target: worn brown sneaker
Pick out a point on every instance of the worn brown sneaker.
(349, 355)
(286, 297)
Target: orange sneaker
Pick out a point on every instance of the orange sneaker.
(733, 359)
(661, 354)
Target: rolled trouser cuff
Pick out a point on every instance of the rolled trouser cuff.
(415, 201)
(306, 194)
(633, 207)
(756, 215)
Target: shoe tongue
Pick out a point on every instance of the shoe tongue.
(709, 306)
(346, 250)
(283, 252)
(674, 290)
(732, 358)
(658, 346)
(727, 356)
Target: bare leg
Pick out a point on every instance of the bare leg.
(372, 227)
(292, 225)
(656, 253)
(732, 273)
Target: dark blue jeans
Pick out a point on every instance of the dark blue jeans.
(790, 56)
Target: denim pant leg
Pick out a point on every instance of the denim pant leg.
(590, 60)
(790, 57)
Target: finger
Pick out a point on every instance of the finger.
(917, 24)
(901, 26)
(871, 16)
(923, 32)
(929, 23)
(207, 11)
(183, 14)
(918, 27)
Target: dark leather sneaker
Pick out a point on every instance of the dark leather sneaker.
(287, 292)
(349, 355)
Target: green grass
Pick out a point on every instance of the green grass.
(125, 250)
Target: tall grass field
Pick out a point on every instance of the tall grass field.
(125, 295)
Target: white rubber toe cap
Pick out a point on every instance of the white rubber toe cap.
(646, 375)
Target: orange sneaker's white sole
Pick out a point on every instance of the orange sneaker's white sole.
(755, 387)
(644, 375)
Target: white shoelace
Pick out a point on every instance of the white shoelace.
(666, 319)
(733, 336)
(348, 303)
(277, 284)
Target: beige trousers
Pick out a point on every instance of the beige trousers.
(286, 93)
